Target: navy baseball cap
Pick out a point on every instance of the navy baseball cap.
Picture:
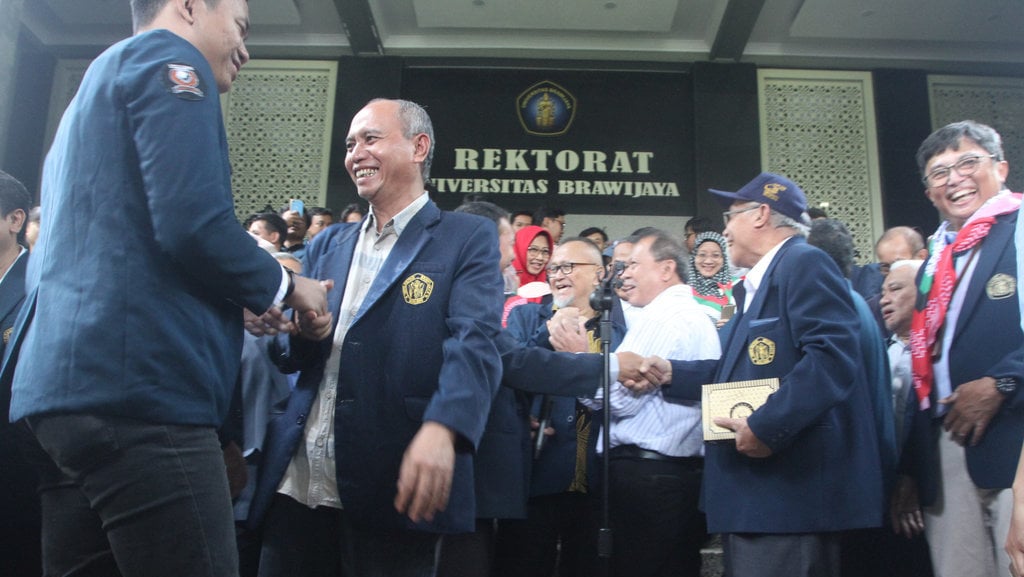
(778, 192)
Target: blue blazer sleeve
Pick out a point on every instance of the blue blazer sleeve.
(191, 208)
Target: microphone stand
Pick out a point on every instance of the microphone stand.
(602, 299)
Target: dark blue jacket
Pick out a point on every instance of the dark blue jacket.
(824, 473)
(555, 468)
(988, 341)
(135, 290)
(404, 361)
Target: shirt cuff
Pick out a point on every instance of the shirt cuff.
(279, 297)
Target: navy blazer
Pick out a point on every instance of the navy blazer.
(988, 342)
(12, 295)
(503, 462)
(406, 358)
(554, 470)
(824, 473)
(138, 282)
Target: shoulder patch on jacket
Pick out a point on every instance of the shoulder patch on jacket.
(183, 81)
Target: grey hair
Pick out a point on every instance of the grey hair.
(280, 256)
(780, 220)
(948, 138)
(666, 246)
(912, 263)
(415, 120)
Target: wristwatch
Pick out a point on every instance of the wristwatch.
(291, 283)
(1006, 385)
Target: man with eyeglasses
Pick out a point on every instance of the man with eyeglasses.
(560, 502)
(967, 348)
(656, 457)
(552, 219)
(804, 467)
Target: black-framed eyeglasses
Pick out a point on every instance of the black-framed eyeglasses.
(966, 166)
(566, 268)
(731, 213)
(538, 251)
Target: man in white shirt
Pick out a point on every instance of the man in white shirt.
(656, 455)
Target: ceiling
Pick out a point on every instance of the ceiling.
(935, 35)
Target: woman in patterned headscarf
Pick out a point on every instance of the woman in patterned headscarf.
(709, 275)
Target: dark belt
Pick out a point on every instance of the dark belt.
(634, 452)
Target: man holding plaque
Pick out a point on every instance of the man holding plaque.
(804, 466)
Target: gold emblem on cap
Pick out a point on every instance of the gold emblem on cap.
(1001, 286)
(772, 190)
(417, 288)
(7, 334)
(762, 351)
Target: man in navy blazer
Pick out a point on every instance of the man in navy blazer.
(373, 457)
(804, 466)
(126, 351)
(969, 366)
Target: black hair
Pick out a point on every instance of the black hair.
(545, 211)
(320, 211)
(14, 196)
(273, 221)
(595, 230)
(352, 208)
(832, 236)
(483, 208)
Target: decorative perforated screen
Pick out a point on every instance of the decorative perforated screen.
(818, 129)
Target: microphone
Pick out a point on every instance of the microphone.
(546, 404)
(601, 298)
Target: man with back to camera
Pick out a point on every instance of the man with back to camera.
(967, 348)
(146, 311)
(372, 458)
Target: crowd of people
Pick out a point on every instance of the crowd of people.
(416, 392)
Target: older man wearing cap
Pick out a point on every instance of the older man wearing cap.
(804, 467)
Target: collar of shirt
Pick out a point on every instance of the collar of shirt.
(400, 220)
(756, 274)
(896, 340)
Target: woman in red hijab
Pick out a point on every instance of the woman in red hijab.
(533, 249)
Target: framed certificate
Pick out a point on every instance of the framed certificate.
(737, 399)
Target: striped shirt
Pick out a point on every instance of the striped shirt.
(672, 326)
(311, 477)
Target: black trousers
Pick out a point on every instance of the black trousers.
(657, 528)
(558, 532)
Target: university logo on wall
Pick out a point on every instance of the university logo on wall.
(546, 109)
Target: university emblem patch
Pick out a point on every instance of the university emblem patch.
(772, 190)
(761, 351)
(417, 288)
(546, 109)
(1001, 286)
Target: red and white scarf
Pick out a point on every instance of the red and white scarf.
(940, 282)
